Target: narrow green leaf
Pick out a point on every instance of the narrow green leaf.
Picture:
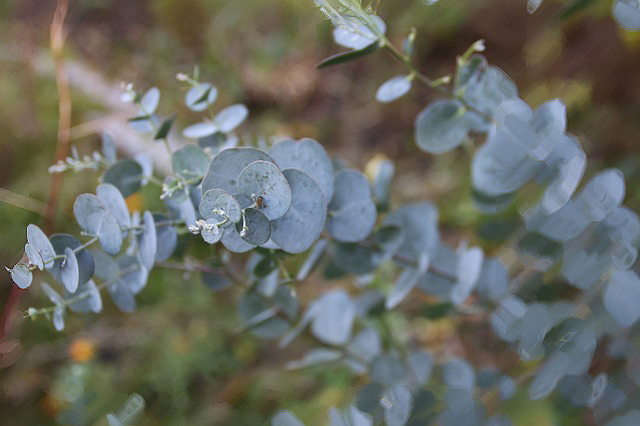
(165, 128)
(349, 56)
(576, 7)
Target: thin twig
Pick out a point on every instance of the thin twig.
(64, 108)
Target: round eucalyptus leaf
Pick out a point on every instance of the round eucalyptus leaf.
(419, 223)
(421, 366)
(126, 175)
(632, 417)
(352, 212)
(406, 282)
(285, 418)
(310, 157)
(21, 275)
(388, 370)
(232, 241)
(183, 210)
(366, 345)
(215, 282)
(258, 227)
(382, 181)
(470, 72)
(147, 241)
(334, 318)
(109, 150)
(550, 118)
(58, 318)
(469, 269)
(213, 235)
(251, 306)
(622, 297)
(106, 267)
(303, 223)
(200, 96)
(357, 35)
(262, 179)
(69, 272)
(225, 167)
(190, 162)
(89, 298)
(133, 275)
(506, 388)
(230, 206)
(457, 373)
(538, 320)
(368, 398)
(545, 381)
(166, 238)
(115, 203)
(441, 126)
(218, 199)
(397, 402)
(493, 88)
(84, 259)
(122, 296)
(200, 130)
(358, 418)
(150, 100)
(393, 89)
(34, 256)
(493, 280)
(356, 259)
(41, 243)
(52, 294)
(602, 194)
(627, 14)
(231, 117)
(208, 204)
(113, 420)
(145, 161)
(94, 217)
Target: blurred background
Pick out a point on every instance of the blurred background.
(181, 351)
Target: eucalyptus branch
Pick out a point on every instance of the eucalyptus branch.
(437, 85)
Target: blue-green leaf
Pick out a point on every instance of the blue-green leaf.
(334, 318)
(263, 179)
(94, 217)
(147, 241)
(627, 14)
(225, 167)
(441, 126)
(310, 157)
(230, 117)
(115, 203)
(21, 275)
(393, 89)
(41, 243)
(352, 211)
(258, 227)
(303, 223)
(126, 175)
(190, 162)
(150, 101)
(285, 418)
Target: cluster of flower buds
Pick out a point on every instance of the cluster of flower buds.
(77, 164)
(203, 226)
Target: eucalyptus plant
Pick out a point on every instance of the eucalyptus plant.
(290, 198)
